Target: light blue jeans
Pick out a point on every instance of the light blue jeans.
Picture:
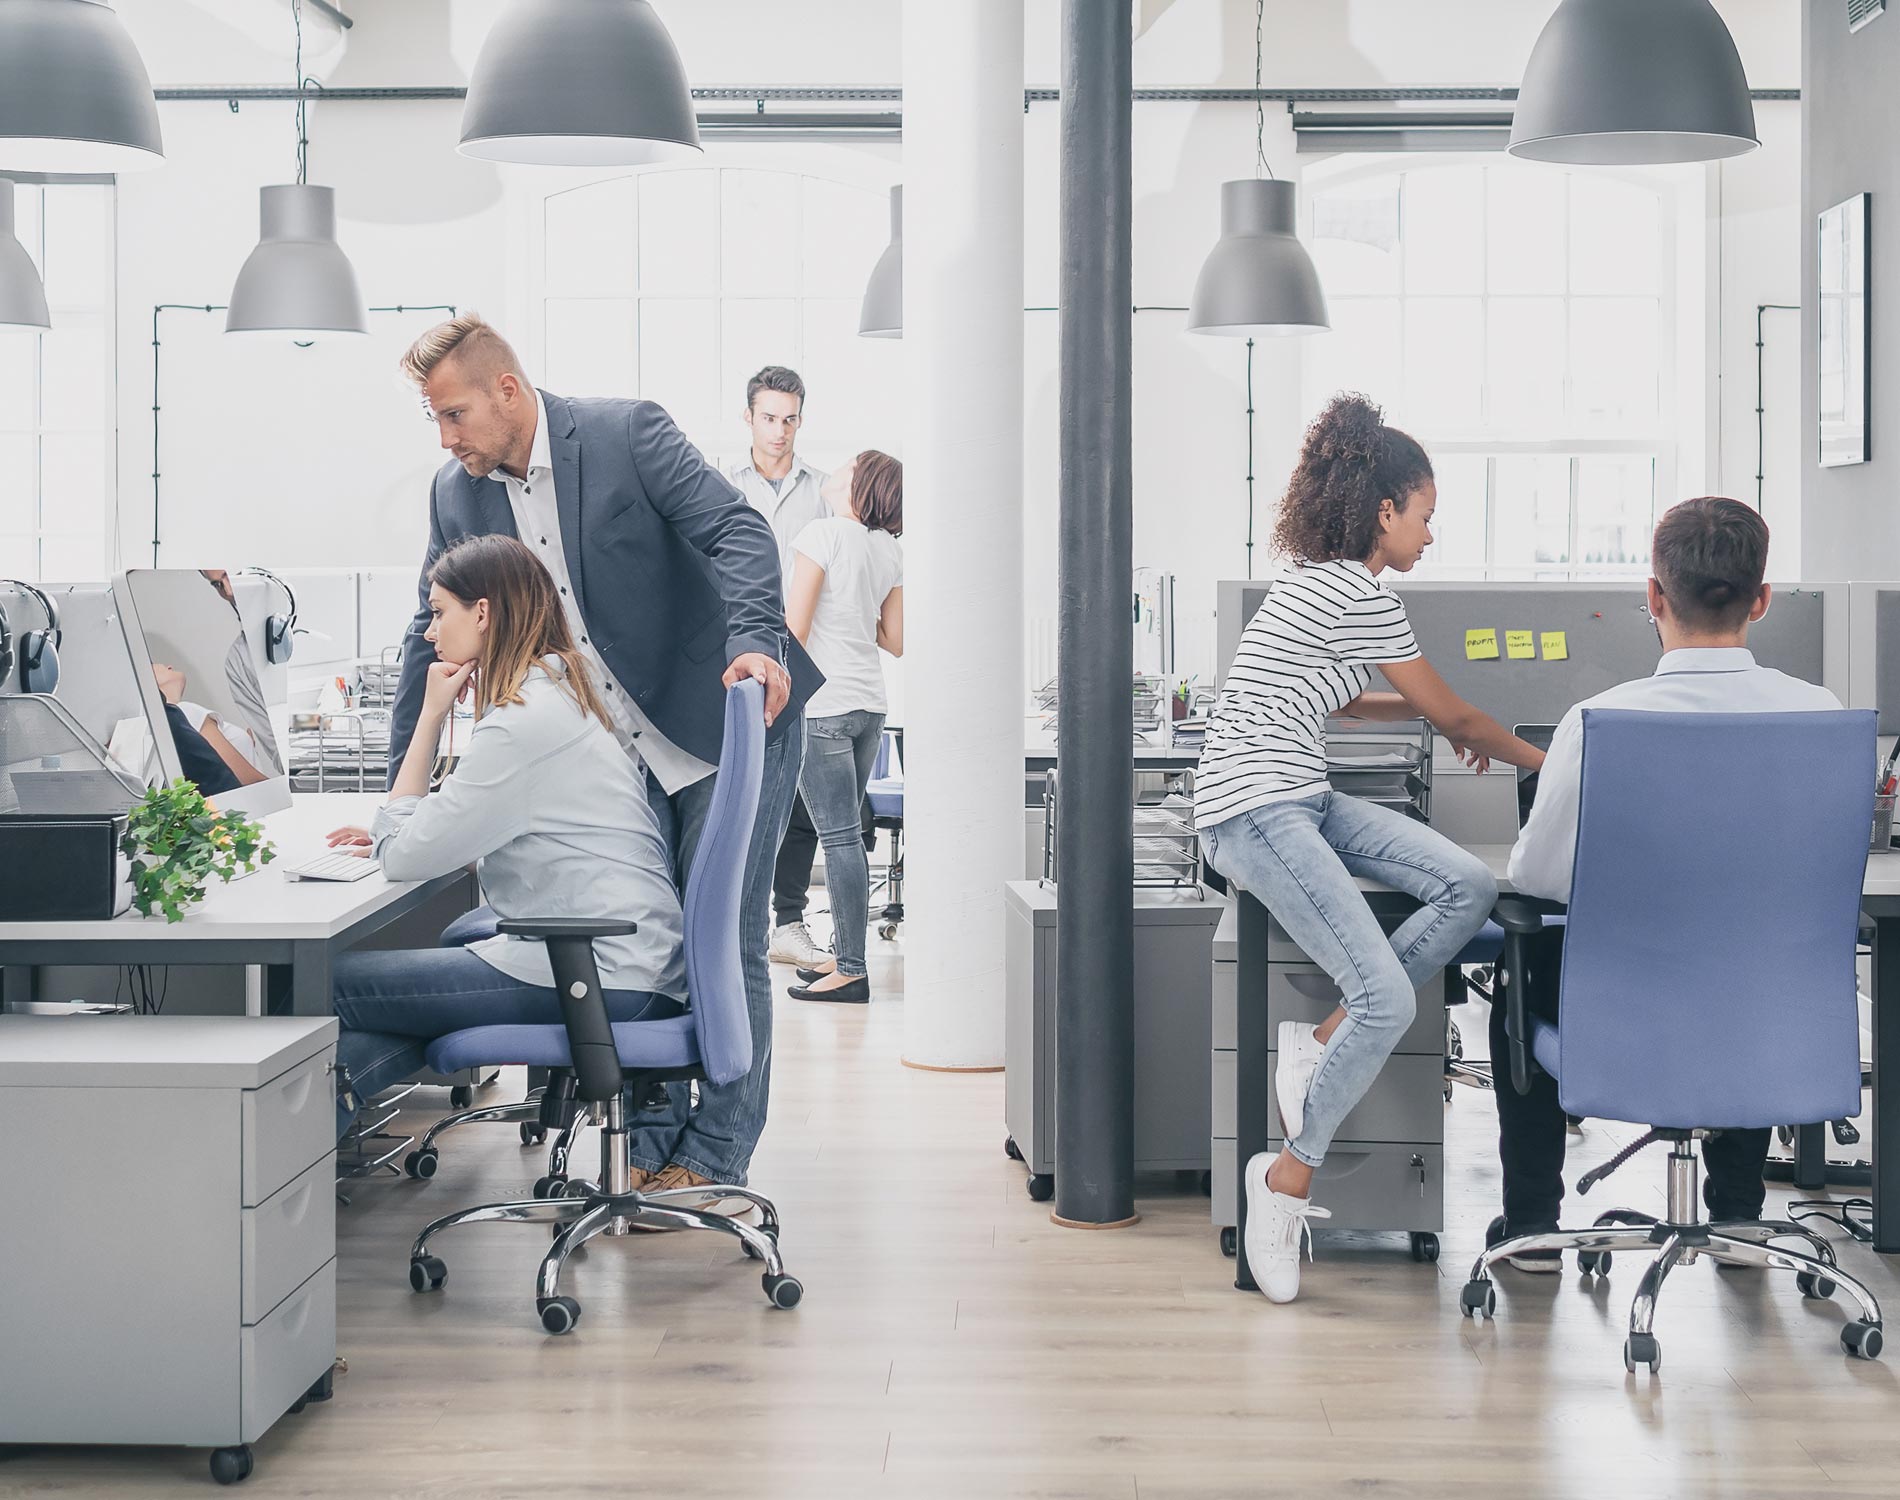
(1300, 858)
(840, 750)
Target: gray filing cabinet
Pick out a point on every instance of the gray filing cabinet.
(168, 1246)
(1385, 1170)
(1173, 931)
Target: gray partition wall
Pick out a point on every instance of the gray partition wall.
(1607, 634)
(1887, 659)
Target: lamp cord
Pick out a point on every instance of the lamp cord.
(1250, 459)
(1259, 100)
(303, 131)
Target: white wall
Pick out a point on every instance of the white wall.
(313, 457)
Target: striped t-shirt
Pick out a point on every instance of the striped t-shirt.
(1306, 654)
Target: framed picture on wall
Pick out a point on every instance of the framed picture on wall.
(1844, 268)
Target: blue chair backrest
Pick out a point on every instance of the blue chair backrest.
(1708, 970)
(715, 979)
(886, 747)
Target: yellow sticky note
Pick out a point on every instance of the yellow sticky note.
(1520, 645)
(1555, 646)
(1481, 645)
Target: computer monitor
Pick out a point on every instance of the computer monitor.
(199, 686)
(1538, 736)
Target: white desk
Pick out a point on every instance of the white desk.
(261, 919)
(1880, 901)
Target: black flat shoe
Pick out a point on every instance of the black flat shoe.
(812, 976)
(851, 992)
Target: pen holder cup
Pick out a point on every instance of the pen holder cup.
(1883, 823)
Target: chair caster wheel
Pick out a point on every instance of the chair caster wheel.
(533, 1134)
(461, 1096)
(559, 1314)
(229, 1465)
(1013, 1151)
(1230, 1241)
(771, 1233)
(1813, 1284)
(887, 931)
(577, 1187)
(549, 1186)
(1479, 1299)
(1642, 1349)
(1425, 1248)
(426, 1274)
(1593, 1262)
(1862, 1340)
(784, 1291)
(421, 1164)
(1042, 1186)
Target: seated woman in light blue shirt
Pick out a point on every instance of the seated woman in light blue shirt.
(543, 802)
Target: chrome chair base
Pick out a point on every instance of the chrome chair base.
(611, 1209)
(1680, 1239)
(422, 1162)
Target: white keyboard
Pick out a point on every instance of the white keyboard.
(332, 867)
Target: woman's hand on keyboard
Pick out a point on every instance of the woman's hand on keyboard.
(349, 841)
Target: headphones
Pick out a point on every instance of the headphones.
(38, 650)
(278, 628)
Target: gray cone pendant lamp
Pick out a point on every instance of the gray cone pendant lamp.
(882, 315)
(74, 93)
(297, 284)
(579, 83)
(22, 296)
(1257, 281)
(1627, 82)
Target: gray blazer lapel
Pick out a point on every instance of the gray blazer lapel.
(490, 514)
(565, 444)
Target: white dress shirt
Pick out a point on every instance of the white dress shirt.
(793, 506)
(538, 521)
(1704, 680)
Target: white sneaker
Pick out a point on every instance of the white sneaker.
(792, 944)
(1300, 1054)
(1277, 1227)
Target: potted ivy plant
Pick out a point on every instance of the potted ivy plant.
(176, 841)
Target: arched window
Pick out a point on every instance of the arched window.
(1519, 319)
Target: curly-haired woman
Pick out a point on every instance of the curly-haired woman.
(1360, 502)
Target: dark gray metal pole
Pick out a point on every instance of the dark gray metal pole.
(1095, 1027)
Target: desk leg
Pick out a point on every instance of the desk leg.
(1250, 1069)
(310, 992)
(1885, 1108)
(1810, 1156)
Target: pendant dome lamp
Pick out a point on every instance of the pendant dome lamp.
(1628, 82)
(74, 93)
(1258, 280)
(22, 296)
(882, 315)
(579, 83)
(298, 283)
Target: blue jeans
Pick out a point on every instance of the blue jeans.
(839, 752)
(391, 1005)
(717, 1139)
(1300, 858)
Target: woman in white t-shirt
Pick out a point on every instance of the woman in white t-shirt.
(1360, 502)
(845, 601)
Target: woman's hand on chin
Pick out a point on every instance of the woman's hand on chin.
(447, 682)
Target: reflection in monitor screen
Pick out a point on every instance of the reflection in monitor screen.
(203, 700)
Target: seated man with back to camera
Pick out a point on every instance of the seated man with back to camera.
(1707, 564)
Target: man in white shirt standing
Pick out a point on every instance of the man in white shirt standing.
(784, 489)
(1708, 560)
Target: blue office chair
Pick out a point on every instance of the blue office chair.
(885, 794)
(712, 1042)
(1482, 954)
(1708, 974)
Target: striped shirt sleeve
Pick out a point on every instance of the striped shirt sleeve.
(1375, 629)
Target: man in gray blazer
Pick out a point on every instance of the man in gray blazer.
(673, 591)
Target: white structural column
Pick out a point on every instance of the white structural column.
(963, 467)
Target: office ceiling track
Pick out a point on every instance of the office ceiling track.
(763, 96)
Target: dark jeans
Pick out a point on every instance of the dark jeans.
(839, 751)
(391, 1005)
(717, 1139)
(1531, 1126)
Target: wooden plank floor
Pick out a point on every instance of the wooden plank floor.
(953, 1343)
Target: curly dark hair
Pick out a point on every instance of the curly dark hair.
(1349, 462)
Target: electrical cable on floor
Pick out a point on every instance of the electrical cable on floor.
(1855, 1215)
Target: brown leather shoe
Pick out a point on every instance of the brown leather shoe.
(677, 1179)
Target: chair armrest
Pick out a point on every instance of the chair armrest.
(1524, 914)
(564, 927)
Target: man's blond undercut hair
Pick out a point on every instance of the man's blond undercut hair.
(482, 353)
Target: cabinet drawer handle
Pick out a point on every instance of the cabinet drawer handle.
(296, 1205)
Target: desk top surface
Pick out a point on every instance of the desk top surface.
(264, 906)
(1153, 749)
